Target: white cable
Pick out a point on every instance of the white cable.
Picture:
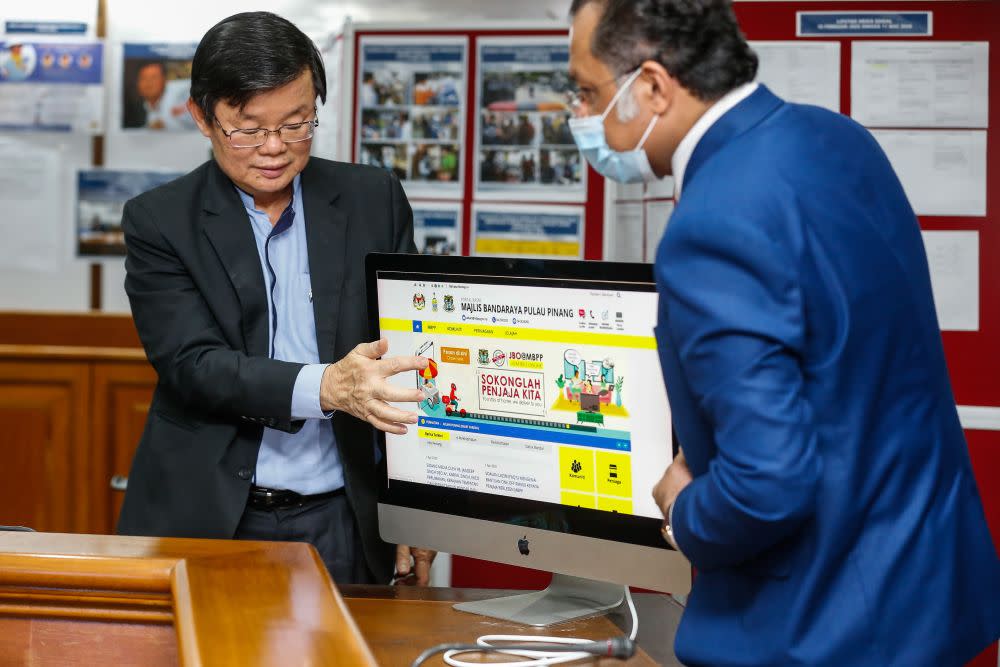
(539, 658)
(635, 615)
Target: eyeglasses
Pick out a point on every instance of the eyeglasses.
(577, 98)
(290, 133)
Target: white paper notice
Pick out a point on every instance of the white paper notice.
(920, 84)
(625, 191)
(624, 233)
(32, 192)
(661, 189)
(802, 72)
(954, 262)
(657, 215)
(943, 171)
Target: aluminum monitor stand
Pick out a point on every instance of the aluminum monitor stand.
(567, 598)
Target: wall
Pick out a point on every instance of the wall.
(68, 287)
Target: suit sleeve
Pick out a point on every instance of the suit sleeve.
(184, 343)
(734, 313)
(402, 218)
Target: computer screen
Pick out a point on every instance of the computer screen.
(546, 422)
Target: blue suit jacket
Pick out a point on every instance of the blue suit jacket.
(834, 518)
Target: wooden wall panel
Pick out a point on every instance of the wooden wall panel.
(42, 406)
(122, 392)
(68, 329)
(50, 642)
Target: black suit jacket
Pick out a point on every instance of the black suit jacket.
(133, 113)
(194, 280)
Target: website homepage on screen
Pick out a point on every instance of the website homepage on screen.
(536, 392)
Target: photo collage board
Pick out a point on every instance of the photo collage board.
(524, 147)
(411, 111)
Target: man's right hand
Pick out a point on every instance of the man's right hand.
(358, 384)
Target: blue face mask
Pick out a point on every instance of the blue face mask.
(625, 167)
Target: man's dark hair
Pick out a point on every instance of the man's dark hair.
(697, 41)
(251, 53)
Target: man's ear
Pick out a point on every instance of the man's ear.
(199, 117)
(657, 87)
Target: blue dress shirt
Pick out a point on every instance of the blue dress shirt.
(306, 462)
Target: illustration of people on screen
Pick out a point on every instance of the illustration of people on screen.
(451, 400)
(431, 392)
(589, 388)
(575, 386)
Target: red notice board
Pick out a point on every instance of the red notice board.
(973, 357)
(594, 205)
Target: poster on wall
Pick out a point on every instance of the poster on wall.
(327, 138)
(156, 84)
(100, 198)
(411, 111)
(953, 260)
(801, 72)
(524, 147)
(54, 87)
(510, 230)
(624, 233)
(655, 223)
(920, 84)
(943, 172)
(69, 19)
(32, 189)
(437, 228)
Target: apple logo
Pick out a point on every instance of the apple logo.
(522, 546)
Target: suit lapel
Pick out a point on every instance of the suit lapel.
(745, 115)
(326, 236)
(225, 222)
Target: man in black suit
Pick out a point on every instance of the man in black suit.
(246, 280)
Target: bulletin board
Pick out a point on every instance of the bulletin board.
(589, 200)
(973, 356)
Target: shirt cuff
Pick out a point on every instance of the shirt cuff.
(305, 393)
(671, 538)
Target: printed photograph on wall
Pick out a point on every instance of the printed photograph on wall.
(524, 147)
(411, 111)
(523, 230)
(100, 198)
(437, 228)
(156, 84)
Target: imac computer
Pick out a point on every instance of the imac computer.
(544, 429)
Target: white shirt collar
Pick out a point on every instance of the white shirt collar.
(685, 149)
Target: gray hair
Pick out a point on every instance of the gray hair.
(698, 42)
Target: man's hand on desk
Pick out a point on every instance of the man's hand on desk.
(357, 384)
(416, 573)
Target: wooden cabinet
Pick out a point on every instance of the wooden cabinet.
(42, 406)
(121, 393)
(72, 411)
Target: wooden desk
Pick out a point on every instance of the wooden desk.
(84, 600)
(401, 622)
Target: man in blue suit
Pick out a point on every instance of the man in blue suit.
(825, 493)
